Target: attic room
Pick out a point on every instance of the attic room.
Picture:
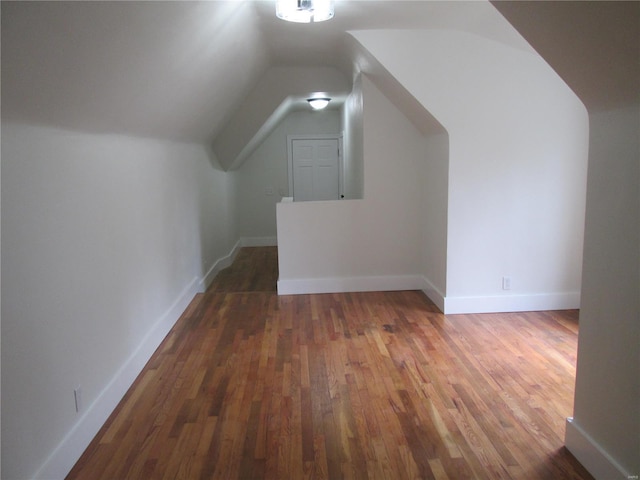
(490, 160)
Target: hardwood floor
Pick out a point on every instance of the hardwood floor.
(249, 385)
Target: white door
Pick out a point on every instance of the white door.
(316, 169)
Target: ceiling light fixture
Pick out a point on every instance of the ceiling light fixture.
(304, 11)
(318, 103)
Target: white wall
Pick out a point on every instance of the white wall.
(266, 170)
(605, 431)
(518, 140)
(373, 243)
(105, 242)
(353, 158)
(433, 216)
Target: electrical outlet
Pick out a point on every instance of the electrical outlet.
(506, 283)
(77, 395)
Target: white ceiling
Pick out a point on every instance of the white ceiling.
(160, 69)
(593, 45)
(180, 70)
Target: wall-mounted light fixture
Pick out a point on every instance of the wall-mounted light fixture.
(318, 103)
(304, 11)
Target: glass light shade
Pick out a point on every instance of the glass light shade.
(318, 103)
(304, 11)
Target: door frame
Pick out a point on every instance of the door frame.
(330, 136)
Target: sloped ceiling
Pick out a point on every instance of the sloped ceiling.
(594, 46)
(173, 70)
(180, 70)
(184, 70)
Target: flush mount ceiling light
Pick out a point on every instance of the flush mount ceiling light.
(318, 103)
(304, 11)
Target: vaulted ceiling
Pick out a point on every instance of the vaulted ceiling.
(187, 70)
(593, 45)
(181, 70)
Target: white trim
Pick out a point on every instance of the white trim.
(221, 263)
(448, 305)
(434, 294)
(512, 303)
(227, 260)
(330, 136)
(259, 241)
(350, 284)
(68, 451)
(591, 455)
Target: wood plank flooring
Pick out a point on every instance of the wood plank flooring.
(249, 385)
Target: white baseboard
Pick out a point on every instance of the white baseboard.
(221, 263)
(259, 241)
(592, 456)
(511, 303)
(434, 294)
(227, 260)
(350, 284)
(448, 305)
(67, 453)
(76, 441)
